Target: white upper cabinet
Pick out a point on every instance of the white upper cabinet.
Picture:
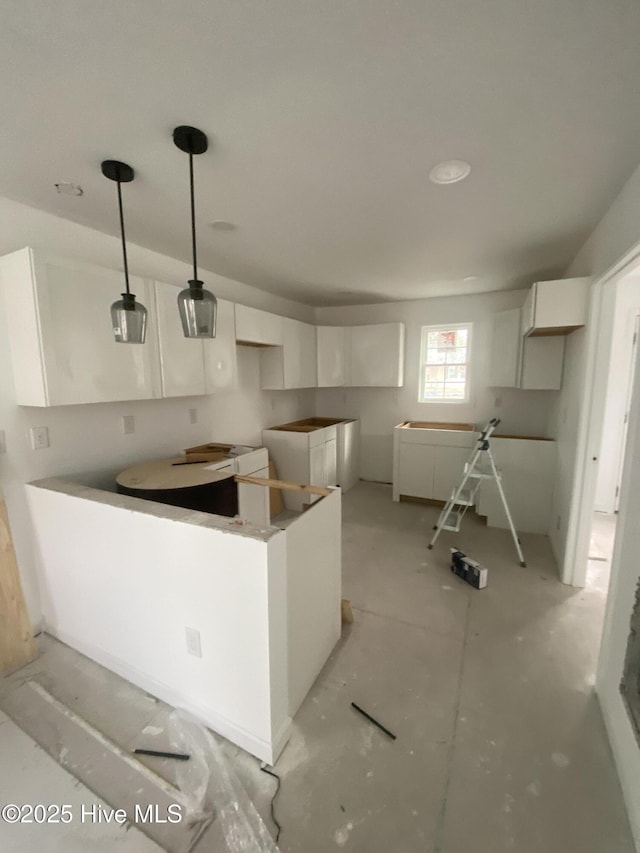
(506, 346)
(376, 355)
(300, 369)
(181, 359)
(258, 327)
(220, 357)
(292, 365)
(555, 307)
(530, 363)
(332, 362)
(59, 325)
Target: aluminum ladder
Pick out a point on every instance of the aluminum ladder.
(464, 496)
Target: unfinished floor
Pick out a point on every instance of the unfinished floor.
(500, 744)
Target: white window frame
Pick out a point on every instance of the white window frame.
(444, 327)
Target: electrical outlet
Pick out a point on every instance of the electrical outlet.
(194, 646)
(193, 416)
(3, 442)
(128, 424)
(39, 437)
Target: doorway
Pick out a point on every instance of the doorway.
(611, 351)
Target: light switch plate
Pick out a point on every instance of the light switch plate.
(194, 646)
(128, 424)
(193, 416)
(39, 437)
(3, 442)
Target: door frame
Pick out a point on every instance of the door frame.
(591, 420)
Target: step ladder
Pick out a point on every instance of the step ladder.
(464, 496)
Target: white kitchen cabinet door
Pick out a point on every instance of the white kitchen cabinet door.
(330, 462)
(376, 355)
(331, 356)
(541, 364)
(505, 349)
(317, 469)
(181, 359)
(416, 468)
(448, 470)
(528, 468)
(556, 307)
(220, 354)
(299, 353)
(62, 345)
(292, 365)
(348, 453)
(253, 501)
(258, 327)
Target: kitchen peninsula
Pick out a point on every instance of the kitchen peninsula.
(228, 619)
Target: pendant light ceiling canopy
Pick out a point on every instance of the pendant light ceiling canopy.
(197, 306)
(128, 317)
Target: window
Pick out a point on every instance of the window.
(444, 364)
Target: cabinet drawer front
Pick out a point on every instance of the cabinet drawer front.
(437, 437)
(249, 463)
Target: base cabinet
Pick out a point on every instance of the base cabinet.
(428, 462)
(528, 468)
(307, 457)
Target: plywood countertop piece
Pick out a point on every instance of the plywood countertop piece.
(163, 474)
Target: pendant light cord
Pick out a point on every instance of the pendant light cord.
(193, 218)
(124, 243)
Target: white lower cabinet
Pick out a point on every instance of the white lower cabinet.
(528, 468)
(302, 455)
(428, 461)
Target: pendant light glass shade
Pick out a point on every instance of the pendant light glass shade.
(198, 309)
(197, 306)
(129, 320)
(128, 317)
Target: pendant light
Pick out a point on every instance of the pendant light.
(128, 317)
(197, 306)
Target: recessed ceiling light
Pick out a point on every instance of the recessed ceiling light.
(66, 188)
(449, 172)
(470, 278)
(222, 225)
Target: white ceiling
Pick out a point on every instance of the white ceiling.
(325, 118)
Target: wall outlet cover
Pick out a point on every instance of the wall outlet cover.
(39, 437)
(194, 645)
(193, 416)
(128, 424)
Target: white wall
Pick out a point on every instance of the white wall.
(89, 437)
(380, 409)
(615, 237)
(624, 582)
(137, 601)
(627, 308)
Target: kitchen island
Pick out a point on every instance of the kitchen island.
(230, 620)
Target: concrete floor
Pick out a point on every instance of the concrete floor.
(500, 744)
